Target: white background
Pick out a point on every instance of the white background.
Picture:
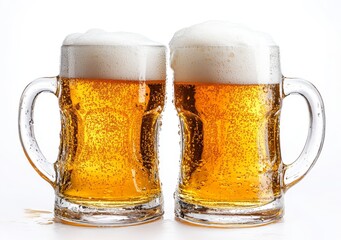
(309, 35)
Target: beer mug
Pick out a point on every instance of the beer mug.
(111, 92)
(228, 91)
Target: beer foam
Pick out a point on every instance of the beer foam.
(98, 54)
(221, 52)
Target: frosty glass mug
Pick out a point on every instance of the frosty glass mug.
(110, 99)
(229, 100)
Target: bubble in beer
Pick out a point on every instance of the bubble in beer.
(222, 52)
(112, 55)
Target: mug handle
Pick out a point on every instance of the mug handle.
(295, 171)
(26, 127)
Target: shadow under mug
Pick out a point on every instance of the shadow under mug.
(106, 173)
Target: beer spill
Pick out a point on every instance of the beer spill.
(40, 216)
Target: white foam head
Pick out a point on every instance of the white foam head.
(122, 56)
(221, 52)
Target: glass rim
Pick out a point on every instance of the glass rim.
(225, 46)
(114, 45)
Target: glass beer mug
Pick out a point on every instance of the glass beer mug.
(111, 92)
(228, 94)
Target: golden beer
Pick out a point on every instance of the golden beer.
(108, 141)
(231, 155)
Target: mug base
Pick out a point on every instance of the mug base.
(229, 216)
(76, 214)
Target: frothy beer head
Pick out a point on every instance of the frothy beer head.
(98, 54)
(220, 52)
